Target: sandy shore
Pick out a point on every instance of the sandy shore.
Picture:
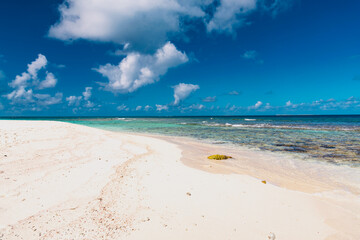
(65, 181)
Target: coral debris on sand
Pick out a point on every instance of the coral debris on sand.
(218, 157)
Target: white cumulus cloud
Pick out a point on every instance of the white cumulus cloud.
(23, 80)
(147, 24)
(143, 28)
(21, 95)
(122, 107)
(182, 91)
(20, 80)
(29, 98)
(74, 100)
(257, 105)
(24, 84)
(234, 93)
(87, 93)
(230, 14)
(209, 99)
(47, 99)
(137, 70)
(197, 106)
(147, 108)
(250, 54)
(36, 65)
(161, 107)
(83, 100)
(49, 82)
(143, 24)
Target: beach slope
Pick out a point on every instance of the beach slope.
(64, 181)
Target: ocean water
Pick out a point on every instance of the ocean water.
(334, 139)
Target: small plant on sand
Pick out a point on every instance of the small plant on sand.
(218, 157)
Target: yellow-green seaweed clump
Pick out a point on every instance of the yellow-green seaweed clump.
(218, 157)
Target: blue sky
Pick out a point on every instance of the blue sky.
(193, 57)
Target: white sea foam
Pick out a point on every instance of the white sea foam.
(124, 119)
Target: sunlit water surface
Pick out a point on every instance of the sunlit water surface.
(335, 139)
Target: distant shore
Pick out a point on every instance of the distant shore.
(65, 181)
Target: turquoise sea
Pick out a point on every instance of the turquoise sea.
(335, 139)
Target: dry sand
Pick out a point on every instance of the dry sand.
(65, 181)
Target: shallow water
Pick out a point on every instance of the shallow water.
(334, 139)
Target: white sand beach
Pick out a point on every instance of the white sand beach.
(65, 181)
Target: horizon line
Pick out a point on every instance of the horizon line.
(182, 116)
